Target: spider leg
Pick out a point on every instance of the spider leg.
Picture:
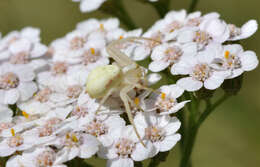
(133, 103)
(122, 59)
(119, 56)
(123, 96)
(103, 100)
(146, 88)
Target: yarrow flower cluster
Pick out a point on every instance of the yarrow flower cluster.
(198, 47)
(56, 120)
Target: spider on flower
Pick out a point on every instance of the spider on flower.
(121, 76)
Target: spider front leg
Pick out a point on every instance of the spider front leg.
(104, 99)
(123, 96)
(122, 59)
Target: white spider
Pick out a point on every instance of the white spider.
(122, 76)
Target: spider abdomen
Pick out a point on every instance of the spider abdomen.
(101, 79)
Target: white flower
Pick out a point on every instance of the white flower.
(70, 47)
(216, 28)
(153, 78)
(166, 102)
(61, 77)
(16, 83)
(46, 100)
(42, 156)
(169, 27)
(170, 24)
(160, 131)
(234, 59)
(120, 33)
(102, 127)
(29, 33)
(126, 149)
(89, 5)
(200, 72)
(17, 142)
(247, 30)
(23, 51)
(5, 118)
(77, 145)
(210, 30)
(170, 54)
(103, 26)
(5, 114)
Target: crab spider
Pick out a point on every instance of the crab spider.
(122, 76)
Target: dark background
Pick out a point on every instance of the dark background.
(230, 137)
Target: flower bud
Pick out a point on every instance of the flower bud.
(233, 86)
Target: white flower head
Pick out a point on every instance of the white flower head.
(17, 142)
(126, 149)
(68, 48)
(209, 31)
(160, 131)
(247, 30)
(235, 60)
(102, 26)
(76, 144)
(103, 128)
(170, 54)
(16, 83)
(29, 33)
(5, 118)
(41, 156)
(166, 102)
(200, 72)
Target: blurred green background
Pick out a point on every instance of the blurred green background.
(230, 137)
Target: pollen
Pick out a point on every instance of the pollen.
(46, 158)
(227, 53)
(92, 51)
(12, 132)
(124, 147)
(74, 138)
(137, 101)
(8, 81)
(101, 26)
(163, 96)
(67, 136)
(25, 114)
(154, 134)
(59, 68)
(77, 43)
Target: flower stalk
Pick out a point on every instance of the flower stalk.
(193, 5)
(194, 126)
(117, 9)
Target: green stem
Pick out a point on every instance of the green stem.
(127, 20)
(161, 157)
(193, 5)
(161, 6)
(185, 161)
(211, 108)
(138, 164)
(117, 9)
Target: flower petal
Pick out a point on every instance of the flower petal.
(189, 84)
(169, 142)
(120, 162)
(249, 60)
